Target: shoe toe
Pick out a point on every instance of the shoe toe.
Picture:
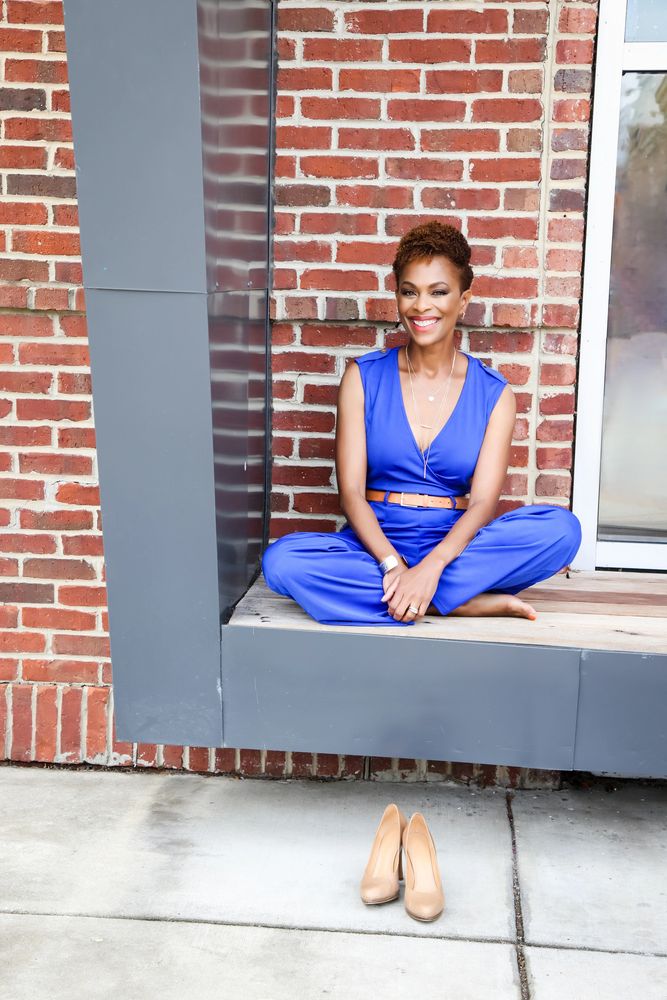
(379, 890)
(424, 905)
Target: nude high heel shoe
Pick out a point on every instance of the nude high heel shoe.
(379, 883)
(424, 896)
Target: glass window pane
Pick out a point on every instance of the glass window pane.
(646, 21)
(633, 484)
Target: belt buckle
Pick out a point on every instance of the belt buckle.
(406, 504)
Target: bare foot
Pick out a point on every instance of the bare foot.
(484, 605)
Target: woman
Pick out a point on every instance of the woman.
(418, 427)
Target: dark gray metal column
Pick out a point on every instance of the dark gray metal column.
(171, 120)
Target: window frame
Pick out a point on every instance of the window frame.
(614, 57)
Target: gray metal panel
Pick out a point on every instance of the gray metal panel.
(235, 45)
(342, 692)
(237, 337)
(152, 402)
(134, 82)
(622, 718)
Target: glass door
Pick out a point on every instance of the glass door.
(620, 484)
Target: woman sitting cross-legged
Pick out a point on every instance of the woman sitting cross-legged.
(423, 439)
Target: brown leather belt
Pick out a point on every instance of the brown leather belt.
(418, 499)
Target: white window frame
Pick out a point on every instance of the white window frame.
(614, 56)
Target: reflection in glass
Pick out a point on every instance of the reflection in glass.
(646, 21)
(633, 484)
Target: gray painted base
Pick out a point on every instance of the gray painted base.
(484, 702)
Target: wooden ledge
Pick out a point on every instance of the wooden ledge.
(615, 611)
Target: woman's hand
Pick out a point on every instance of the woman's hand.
(415, 585)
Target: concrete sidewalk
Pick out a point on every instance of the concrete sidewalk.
(140, 885)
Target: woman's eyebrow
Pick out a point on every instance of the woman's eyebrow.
(432, 285)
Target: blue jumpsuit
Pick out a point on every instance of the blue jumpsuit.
(338, 582)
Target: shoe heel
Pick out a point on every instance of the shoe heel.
(400, 863)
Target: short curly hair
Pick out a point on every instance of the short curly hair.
(432, 239)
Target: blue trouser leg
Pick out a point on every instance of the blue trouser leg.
(334, 578)
(331, 575)
(510, 553)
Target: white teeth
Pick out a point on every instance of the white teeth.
(424, 323)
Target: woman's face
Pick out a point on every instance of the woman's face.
(429, 299)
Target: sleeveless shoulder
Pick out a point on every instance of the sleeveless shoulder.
(491, 373)
(383, 353)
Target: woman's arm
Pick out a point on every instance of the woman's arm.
(487, 481)
(351, 465)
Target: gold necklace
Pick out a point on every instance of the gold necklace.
(426, 455)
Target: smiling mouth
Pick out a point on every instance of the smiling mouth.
(424, 324)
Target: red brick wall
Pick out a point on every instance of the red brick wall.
(387, 114)
(394, 114)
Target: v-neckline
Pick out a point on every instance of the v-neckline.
(444, 427)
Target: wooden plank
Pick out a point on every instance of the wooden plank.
(576, 626)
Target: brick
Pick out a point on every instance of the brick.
(506, 110)
(431, 110)
(302, 361)
(429, 50)
(335, 50)
(505, 169)
(371, 196)
(21, 489)
(357, 280)
(60, 569)
(32, 12)
(303, 137)
(468, 139)
(340, 107)
(56, 520)
(467, 22)
(526, 81)
(574, 52)
(78, 493)
(39, 129)
(25, 382)
(339, 166)
(335, 222)
(51, 244)
(380, 80)
(490, 227)
(304, 19)
(572, 110)
(524, 50)
(20, 40)
(424, 169)
(375, 138)
(22, 157)
(81, 645)
(70, 725)
(82, 597)
(41, 186)
(577, 20)
(54, 353)
(470, 199)
(52, 409)
(21, 741)
(22, 642)
(97, 720)
(530, 22)
(302, 194)
(379, 22)
(36, 70)
(463, 81)
(22, 99)
(304, 78)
